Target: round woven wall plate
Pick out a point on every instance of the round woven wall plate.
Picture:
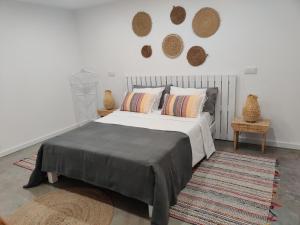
(141, 24)
(172, 46)
(206, 22)
(146, 51)
(177, 15)
(196, 56)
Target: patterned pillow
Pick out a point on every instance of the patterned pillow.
(182, 106)
(138, 102)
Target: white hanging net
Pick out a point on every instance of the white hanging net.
(84, 86)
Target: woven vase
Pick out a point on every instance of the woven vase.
(108, 100)
(251, 110)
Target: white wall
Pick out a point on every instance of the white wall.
(38, 51)
(258, 33)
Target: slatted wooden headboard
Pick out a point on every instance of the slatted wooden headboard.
(225, 106)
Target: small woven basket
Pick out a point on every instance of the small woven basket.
(177, 15)
(172, 46)
(196, 56)
(251, 110)
(206, 22)
(146, 51)
(142, 24)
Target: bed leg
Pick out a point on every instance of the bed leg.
(150, 210)
(52, 177)
(213, 135)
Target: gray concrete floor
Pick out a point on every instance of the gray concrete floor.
(129, 211)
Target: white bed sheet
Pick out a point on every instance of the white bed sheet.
(196, 128)
(210, 119)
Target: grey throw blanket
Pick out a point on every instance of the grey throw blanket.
(149, 165)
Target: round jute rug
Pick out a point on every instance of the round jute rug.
(83, 206)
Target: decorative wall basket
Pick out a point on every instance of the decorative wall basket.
(196, 56)
(146, 51)
(172, 46)
(177, 15)
(251, 110)
(142, 24)
(206, 22)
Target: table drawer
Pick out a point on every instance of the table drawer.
(249, 128)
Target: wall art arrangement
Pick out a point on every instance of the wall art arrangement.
(205, 23)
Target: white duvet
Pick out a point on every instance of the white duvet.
(196, 128)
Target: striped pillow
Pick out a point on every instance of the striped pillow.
(182, 106)
(138, 102)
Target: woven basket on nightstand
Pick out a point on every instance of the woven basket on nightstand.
(251, 110)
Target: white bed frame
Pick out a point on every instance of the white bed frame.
(53, 178)
(225, 106)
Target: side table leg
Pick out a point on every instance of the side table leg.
(263, 142)
(236, 140)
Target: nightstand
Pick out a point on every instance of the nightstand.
(260, 127)
(105, 112)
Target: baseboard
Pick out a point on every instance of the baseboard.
(37, 140)
(272, 143)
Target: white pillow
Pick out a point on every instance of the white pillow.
(202, 103)
(154, 91)
(190, 91)
(187, 91)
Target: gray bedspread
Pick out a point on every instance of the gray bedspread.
(149, 165)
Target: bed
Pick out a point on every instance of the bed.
(148, 157)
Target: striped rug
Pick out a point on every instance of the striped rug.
(229, 189)
(27, 163)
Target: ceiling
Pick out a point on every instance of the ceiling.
(68, 4)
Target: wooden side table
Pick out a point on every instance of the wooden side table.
(105, 112)
(261, 127)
